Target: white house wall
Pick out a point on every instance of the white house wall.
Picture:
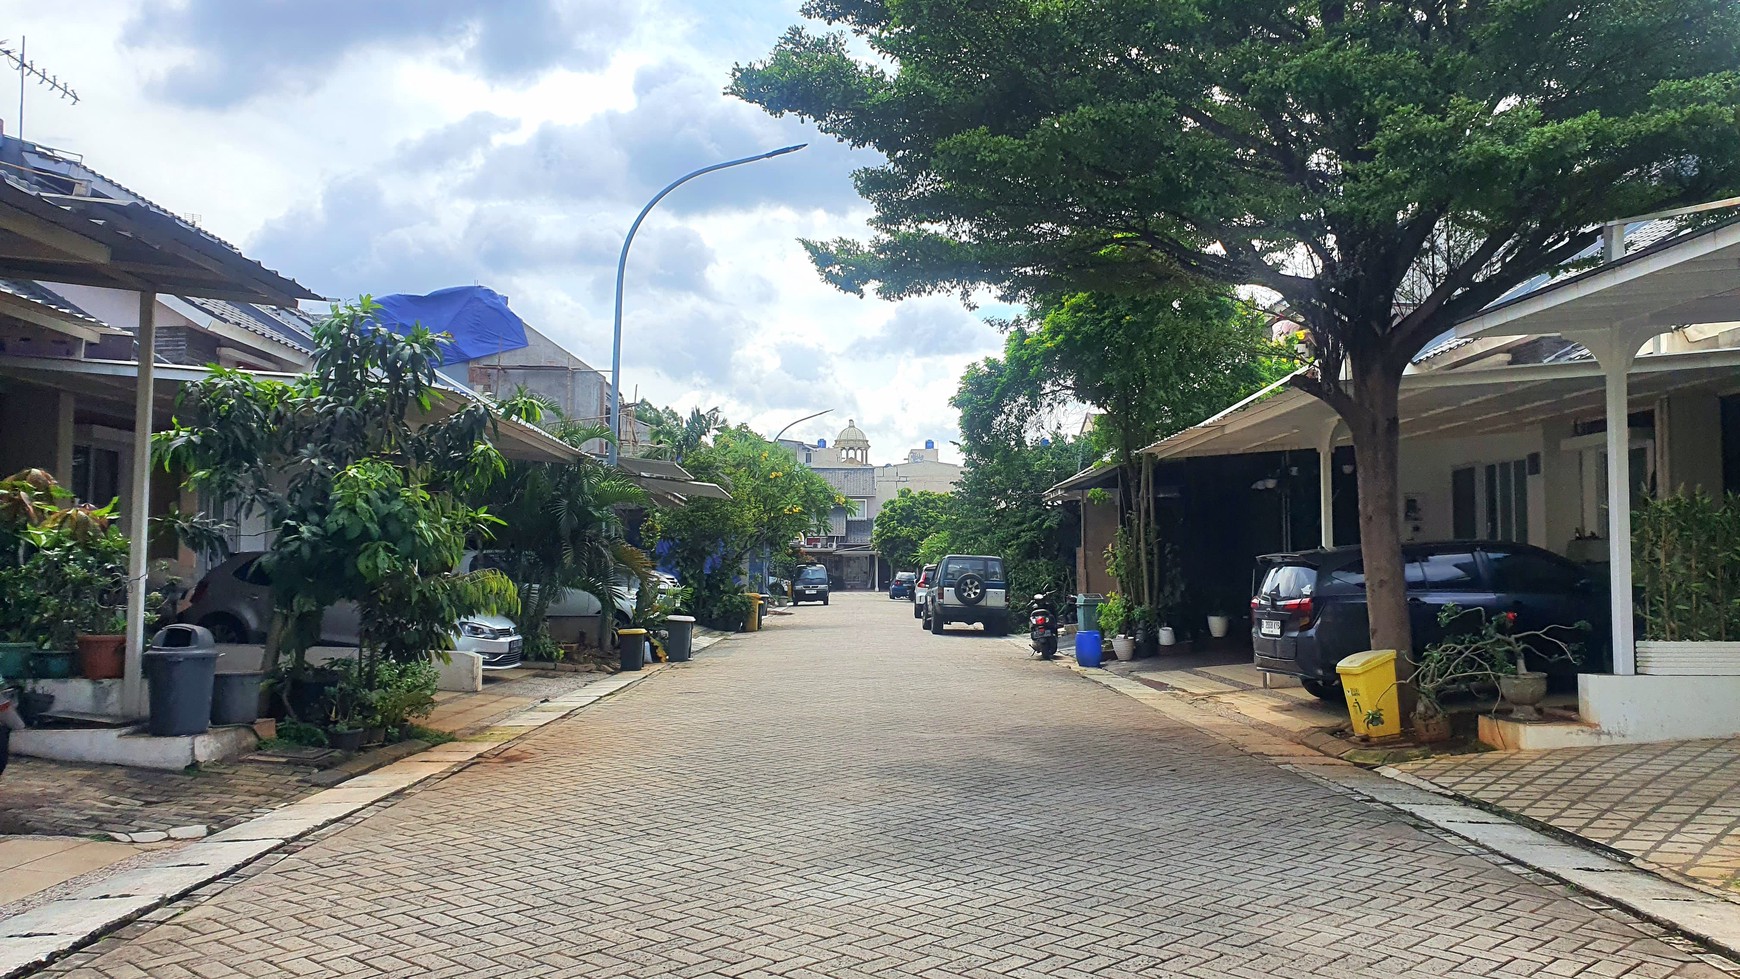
(1426, 465)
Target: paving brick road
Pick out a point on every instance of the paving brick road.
(844, 795)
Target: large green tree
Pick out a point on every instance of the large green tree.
(1150, 366)
(1383, 168)
(904, 522)
(363, 472)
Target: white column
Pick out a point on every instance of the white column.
(139, 511)
(1326, 484)
(1615, 351)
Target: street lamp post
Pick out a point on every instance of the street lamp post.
(622, 265)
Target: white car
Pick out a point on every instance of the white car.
(921, 590)
(234, 601)
(572, 602)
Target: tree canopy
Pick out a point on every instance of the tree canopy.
(362, 474)
(904, 522)
(774, 499)
(1384, 169)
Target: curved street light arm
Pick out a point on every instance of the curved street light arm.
(622, 266)
(800, 421)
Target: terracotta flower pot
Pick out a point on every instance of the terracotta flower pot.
(102, 657)
(1523, 691)
(1431, 728)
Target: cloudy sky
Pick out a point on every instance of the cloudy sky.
(386, 146)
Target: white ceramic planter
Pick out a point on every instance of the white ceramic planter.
(1124, 647)
(1168, 637)
(1218, 626)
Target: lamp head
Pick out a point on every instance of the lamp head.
(783, 151)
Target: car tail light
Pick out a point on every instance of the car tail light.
(1297, 606)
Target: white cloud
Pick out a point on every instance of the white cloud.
(408, 145)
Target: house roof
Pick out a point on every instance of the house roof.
(1444, 404)
(61, 221)
(30, 302)
(1683, 280)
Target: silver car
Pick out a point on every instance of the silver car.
(234, 601)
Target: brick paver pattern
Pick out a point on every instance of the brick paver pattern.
(844, 795)
(66, 798)
(1676, 805)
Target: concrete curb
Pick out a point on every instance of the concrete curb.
(1709, 919)
(33, 939)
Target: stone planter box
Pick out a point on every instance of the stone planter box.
(1655, 658)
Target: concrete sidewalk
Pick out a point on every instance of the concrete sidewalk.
(1672, 807)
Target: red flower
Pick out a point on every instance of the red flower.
(1510, 616)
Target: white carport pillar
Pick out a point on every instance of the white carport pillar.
(1615, 350)
(139, 511)
(1326, 483)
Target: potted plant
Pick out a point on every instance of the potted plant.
(1147, 631)
(1489, 647)
(102, 651)
(1115, 618)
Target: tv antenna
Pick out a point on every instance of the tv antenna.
(28, 70)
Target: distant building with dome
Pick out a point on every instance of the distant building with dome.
(845, 549)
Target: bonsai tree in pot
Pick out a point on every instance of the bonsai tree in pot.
(1489, 647)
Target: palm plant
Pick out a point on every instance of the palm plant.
(675, 440)
(562, 528)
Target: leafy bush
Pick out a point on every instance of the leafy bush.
(1114, 614)
(302, 733)
(403, 692)
(1685, 559)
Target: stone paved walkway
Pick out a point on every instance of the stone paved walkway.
(1675, 805)
(846, 796)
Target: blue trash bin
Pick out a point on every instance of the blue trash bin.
(1087, 648)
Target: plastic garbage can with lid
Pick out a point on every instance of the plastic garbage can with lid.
(753, 622)
(1087, 611)
(180, 666)
(1369, 681)
(681, 629)
(632, 647)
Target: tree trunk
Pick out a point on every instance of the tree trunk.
(1376, 427)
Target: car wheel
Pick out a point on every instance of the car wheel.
(917, 611)
(936, 624)
(225, 629)
(1329, 693)
(824, 600)
(997, 627)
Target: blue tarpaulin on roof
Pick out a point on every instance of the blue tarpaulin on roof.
(477, 319)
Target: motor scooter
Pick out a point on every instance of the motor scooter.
(1042, 624)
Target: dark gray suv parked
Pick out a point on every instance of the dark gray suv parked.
(1309, 612)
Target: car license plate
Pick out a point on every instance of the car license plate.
(1270, 627)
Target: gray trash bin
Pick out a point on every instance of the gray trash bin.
(180, 666)
(235, 697)
(681, 629)
(1087, 611)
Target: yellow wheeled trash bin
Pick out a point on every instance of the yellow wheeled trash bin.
(753, 622)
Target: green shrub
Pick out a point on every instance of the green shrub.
(302, 733)
(1685, 558)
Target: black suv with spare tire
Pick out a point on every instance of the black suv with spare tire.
(968, 588)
